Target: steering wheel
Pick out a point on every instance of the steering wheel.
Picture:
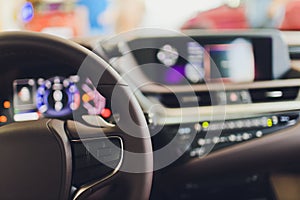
(43, 159)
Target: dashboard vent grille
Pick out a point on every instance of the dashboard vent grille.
(274, 94)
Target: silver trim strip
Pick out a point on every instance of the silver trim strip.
(164, 116)
(96, 120)
(155, 88)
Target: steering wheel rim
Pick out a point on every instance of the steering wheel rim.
(19, 47)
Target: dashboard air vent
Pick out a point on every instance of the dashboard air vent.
(274, 94)
(183, 99)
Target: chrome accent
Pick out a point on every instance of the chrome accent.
(274, 94)
(96, 120)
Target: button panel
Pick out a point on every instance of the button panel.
(198, 139)
(237, 131)
(93, 159)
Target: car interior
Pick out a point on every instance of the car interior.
(150, 114)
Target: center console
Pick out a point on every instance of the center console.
(207, 91)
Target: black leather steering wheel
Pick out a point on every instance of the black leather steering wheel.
(40, 159)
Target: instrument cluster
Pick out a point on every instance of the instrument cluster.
(55, 97)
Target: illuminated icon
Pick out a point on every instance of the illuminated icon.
(246, 136)
(85, 98)
(74, 79)
(58, 106)
(197, 127)
(216, 140)
(106, 113)
(168, 55)
(43, 108)
(239, 138)
(57, 95)
(269, 122)
(201, 142)
(195, 48)
(6, 104)
(233, 97)
(193, 73)
(40, 81)
(205, 125)
(26, 116)
(56, 80)
(184, 131)
(259, 134)
(3, 119)
(223, 139)
(24, 94)
(48, 84)
(73, 106)
(41, 90)
(66, 83)
(57, 86)
(232, 138)
(24, 99)
(275, 120)
(76, 101)
(73, 88)
(240, 124)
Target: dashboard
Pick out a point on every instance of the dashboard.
(222, 110)
(207, 93)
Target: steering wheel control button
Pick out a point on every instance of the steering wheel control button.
(95, 158)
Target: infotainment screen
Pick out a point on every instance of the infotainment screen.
(177, 60)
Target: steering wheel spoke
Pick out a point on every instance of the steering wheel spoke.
(97, 156)
(35, 160)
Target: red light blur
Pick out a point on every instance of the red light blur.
(106, 112)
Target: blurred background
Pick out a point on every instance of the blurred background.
(75, 18)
